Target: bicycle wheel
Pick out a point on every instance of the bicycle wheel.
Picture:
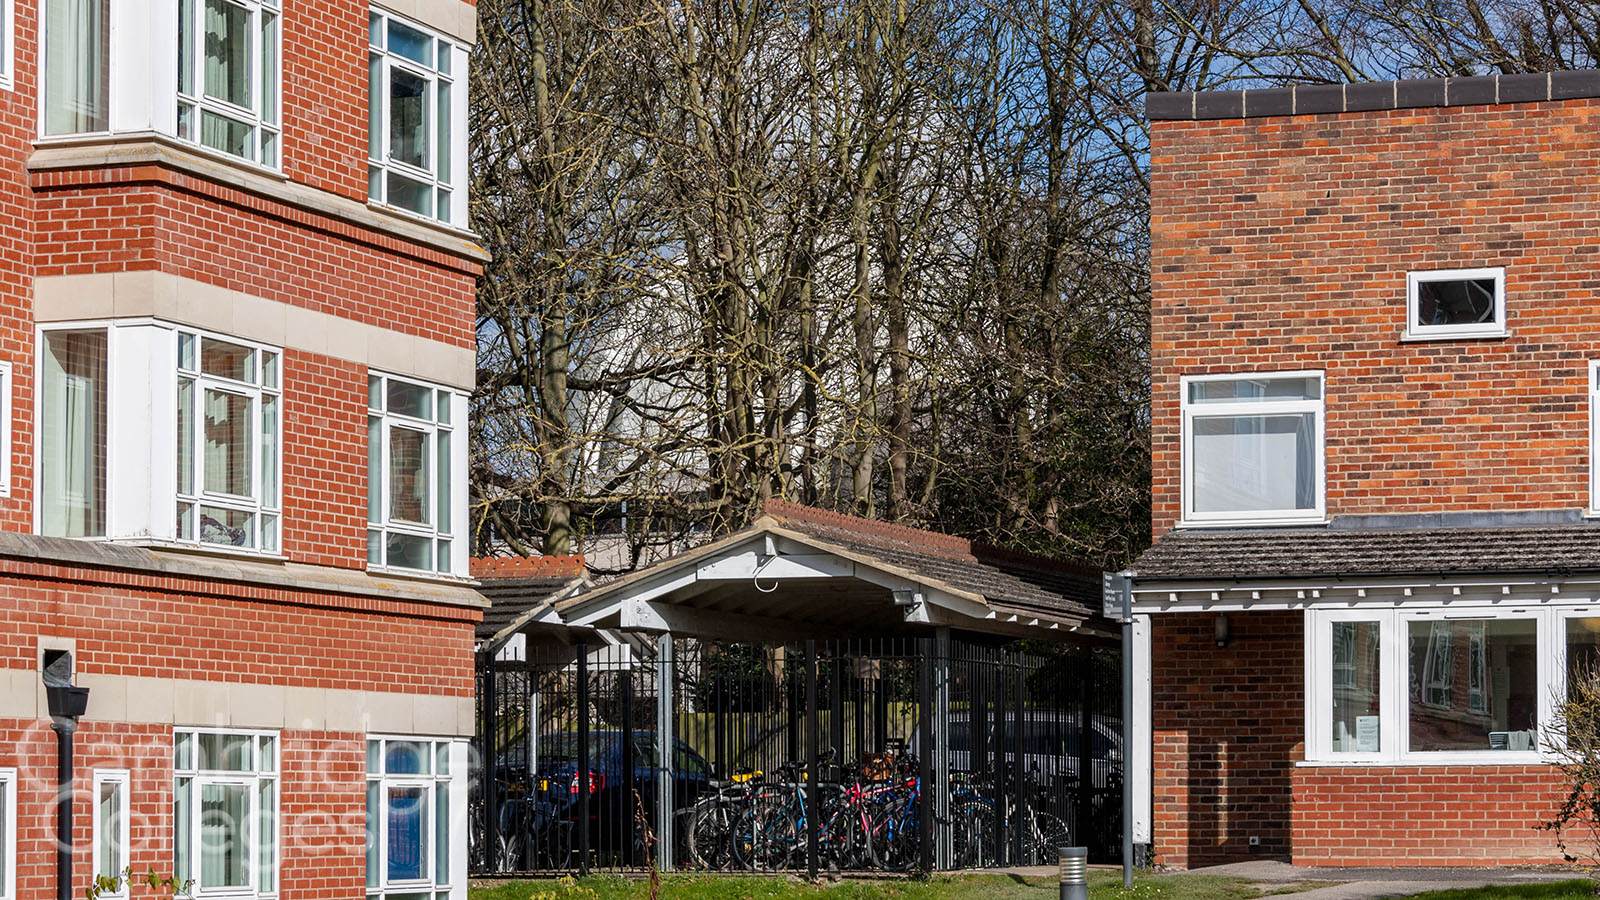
(893, 839)
(765, 836)
(972, 834)
(1046, 835)
(710, 834)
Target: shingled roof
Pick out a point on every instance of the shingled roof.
(1011, 582)
(519, 585)
(1190, 554)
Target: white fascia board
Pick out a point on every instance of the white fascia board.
(1379, 593)
(755, 564)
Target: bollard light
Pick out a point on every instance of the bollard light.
(1074, 862)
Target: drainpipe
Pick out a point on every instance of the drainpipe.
(67, 703)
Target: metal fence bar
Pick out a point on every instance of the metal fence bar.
(582, 752)
(813, 804)
(667, 773)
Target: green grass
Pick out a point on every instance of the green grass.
(1103, 885)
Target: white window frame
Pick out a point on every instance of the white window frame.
(454, 434)
(1394, 679)
(1188, 412)
(1416, 332)
(8, 45)
(118, 777)
(252, 780)
(7, 410)
(8, 833)
(454, 753)
(267, 512)
(265, 119)
(380, 159)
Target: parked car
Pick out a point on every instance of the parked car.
(542, 809)
(1050, 746)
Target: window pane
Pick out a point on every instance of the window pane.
(408, 834)
(182, 828)
(1583, 649)
(407, 551)
(185, 435)
(186, 47)
(72, 434)
(227, 360)
(408, 117)
(108, 856)
(77, 65)
(441, 833)
(227, 52)
(1463, 302)
(410, 400)
(374, 469)
(375, 107)
(410, 43)
(269, 451)
(408, 475)
(224, 853)
(408, 194)
(269, 67)
(406, 758)
(226, 135)
(1254, 463)
(374, 548)
(229, 527)
(224, 752)
(1474, 684)
(372, 834)
(443, 508)
(442, 162)
(266, 812)
(1236, 390)
(5, 842)
(226, 455)
(1356, 701)
(183, 752)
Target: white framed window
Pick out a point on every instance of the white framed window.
(8, 833)
(75, 81)
(416, 106)
(1456, 303)
(415, 818)
(70, 430)
(7, 389)
(416, 475)
(1435, 684)
(1253, 448)
(225, 811)
(110, 834)
(8, 44)
(229, 59)
(229, 426)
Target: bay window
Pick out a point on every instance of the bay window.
(72, 432)
(415, 813)
(228, 53)
(417, 119)
(77, 66)
(1439, 683)
(228, 427)
(225, 811)
(416, 476)
(1252, 448)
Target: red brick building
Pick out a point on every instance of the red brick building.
(236, 340)
(1375, 339)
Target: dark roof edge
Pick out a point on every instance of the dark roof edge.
(1356, 574)
(1420, 93)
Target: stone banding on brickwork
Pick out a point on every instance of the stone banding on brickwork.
(1316, 99)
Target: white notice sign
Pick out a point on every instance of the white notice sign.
(1366, 734)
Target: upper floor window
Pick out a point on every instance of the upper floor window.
(227, 442)
(416, 107)
(416, 475)
(228, 77)
(1253, 448)
(8, 43)
(72, 432)
(1456, 303)
(77, 65)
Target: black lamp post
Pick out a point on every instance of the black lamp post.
(67, 703)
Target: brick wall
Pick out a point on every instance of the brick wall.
(1424, 816)
(1228, 724)
(1284, 243)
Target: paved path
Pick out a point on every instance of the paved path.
(1375, 883)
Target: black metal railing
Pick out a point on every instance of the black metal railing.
(894, 754)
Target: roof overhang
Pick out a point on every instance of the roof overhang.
(1155, 596)
(772, 583)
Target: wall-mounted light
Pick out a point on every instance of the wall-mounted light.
(1222, 630)
(906, 597)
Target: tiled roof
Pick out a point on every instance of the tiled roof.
(1011, 581)
(516, 585)
(1197, 553)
